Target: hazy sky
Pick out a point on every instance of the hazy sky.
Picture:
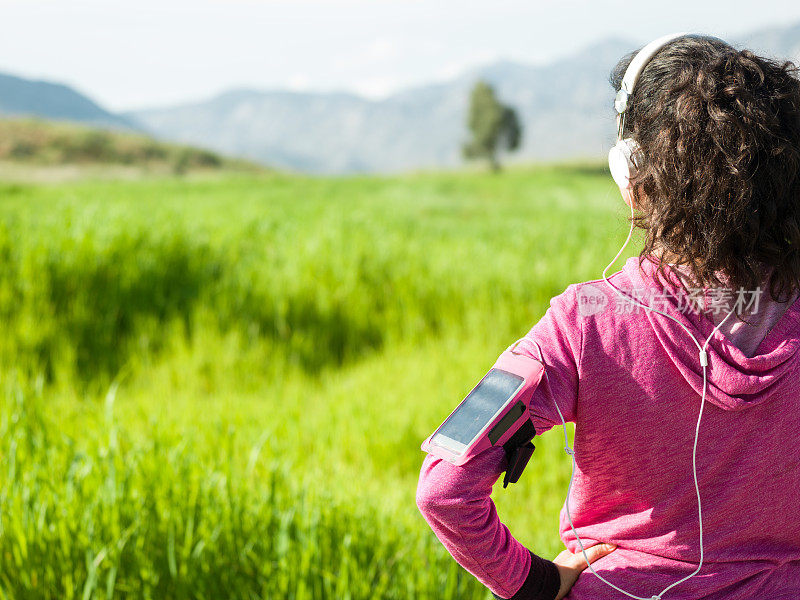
(138, 53)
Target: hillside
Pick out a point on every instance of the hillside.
(20, 97)
(30, 142)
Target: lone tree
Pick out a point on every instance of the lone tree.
(493, 126)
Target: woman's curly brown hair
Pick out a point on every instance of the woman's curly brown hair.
(718, 184)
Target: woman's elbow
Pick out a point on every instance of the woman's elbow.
(428, 500)
(437, 489)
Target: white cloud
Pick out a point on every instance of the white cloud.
(378, 52)
(377, 87)
(299, 82)
(383, 49)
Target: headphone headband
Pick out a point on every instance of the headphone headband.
(637, 65)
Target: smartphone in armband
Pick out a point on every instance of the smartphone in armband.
(495, 409)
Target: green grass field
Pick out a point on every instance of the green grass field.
(217, 388)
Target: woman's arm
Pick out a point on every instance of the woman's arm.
(456, 503)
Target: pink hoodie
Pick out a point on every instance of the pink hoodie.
(631, 381)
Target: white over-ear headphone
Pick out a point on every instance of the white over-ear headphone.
(622, 158)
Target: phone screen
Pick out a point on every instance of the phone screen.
(481, 406)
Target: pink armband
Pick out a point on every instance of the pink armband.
(495, 409)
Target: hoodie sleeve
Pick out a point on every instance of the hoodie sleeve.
(559, 334)
(456, 503)
(455, 500)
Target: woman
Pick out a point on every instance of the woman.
(716, 139)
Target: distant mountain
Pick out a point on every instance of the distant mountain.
(565, 108)
(26, 97)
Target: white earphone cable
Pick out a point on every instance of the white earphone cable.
(571, 452)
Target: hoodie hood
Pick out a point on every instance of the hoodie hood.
(735, 381)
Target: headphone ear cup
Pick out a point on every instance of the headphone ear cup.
(622, 161)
